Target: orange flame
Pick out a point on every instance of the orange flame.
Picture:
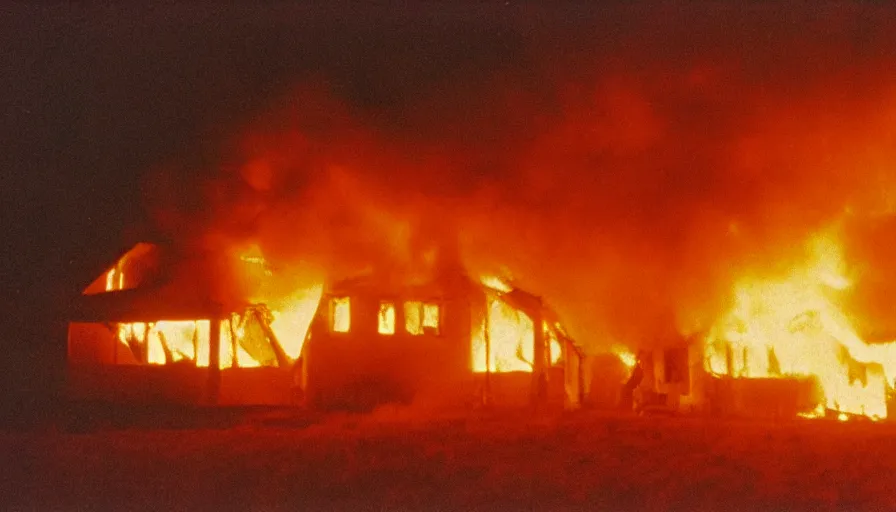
(168, 342)
(794, 327)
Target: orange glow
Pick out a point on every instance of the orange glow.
(556, 351)
(431, 317)
(510, 338)
(292, 318)
(795, 327)
(625, 355)
(386, 318)
(110, 280)
(413, 323)
(187, 341)
(495, 283)
(340, 314)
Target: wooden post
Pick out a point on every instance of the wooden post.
(279, 353)
(169, 358)
(234, 344)
(487, 392)
(214, 360)
(539, 376)
(195, 341)
(580, 375)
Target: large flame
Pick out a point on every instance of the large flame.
(170, 342)
(505, 340)
(795, 326)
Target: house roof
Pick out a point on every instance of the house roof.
(144, 304)
(168, 289)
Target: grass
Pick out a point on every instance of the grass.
(400, 459)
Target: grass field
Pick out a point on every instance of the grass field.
(398, 459)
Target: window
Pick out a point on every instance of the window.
(340, 314)
(413, 323)
(386, 318)
(431, 318)
(675, 367)
(421, 318)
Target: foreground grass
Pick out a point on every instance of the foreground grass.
(510, 460)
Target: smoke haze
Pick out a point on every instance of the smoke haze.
(628, 164)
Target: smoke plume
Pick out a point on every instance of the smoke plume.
(628, 166)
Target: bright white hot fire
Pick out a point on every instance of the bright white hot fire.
(505, 340)
(169, 342)
(795, 326)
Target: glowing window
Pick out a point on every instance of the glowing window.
(420, 318)
(413, 321)
(340, 314)
(386, 318)
(431, 317)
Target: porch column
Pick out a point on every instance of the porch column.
(539, 375)
(214, 360)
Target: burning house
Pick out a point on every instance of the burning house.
(152, 329)
(785, 348)
(448, 340)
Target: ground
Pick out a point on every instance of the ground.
(399, 459)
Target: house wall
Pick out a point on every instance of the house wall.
(95, 343)
(101, 368)
(726, 396)
(173, 384)
(178, 384)
(362, 367)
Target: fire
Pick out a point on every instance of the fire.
(170, 342)
(510, 341)
(795, 327)
(509, 334)
(495, 283)
(625, 355)
(293, 317)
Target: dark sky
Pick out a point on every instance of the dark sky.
(657, 113)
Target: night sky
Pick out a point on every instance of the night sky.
(96, 100)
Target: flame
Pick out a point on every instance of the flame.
(168, 342)
(794, 327)
(495, 283)
(510, 340)
(110, 280)
(625, 355)
(341, 311)
(412, 313)
(293, 317)
(386, 318)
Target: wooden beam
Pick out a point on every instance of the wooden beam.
(282, 358)
(214, 360)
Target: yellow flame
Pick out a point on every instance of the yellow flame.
(510, 338)
(341, 311)
(413, 323)
(625, 355)
(386, 318)
(794, 327)
(495, 283)
(293, 317)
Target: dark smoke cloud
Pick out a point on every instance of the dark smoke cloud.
(627, 164)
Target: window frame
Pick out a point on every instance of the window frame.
(331, 314)
(388, 304)
(424, 330)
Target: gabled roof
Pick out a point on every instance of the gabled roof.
(169, 289)
(145, 304)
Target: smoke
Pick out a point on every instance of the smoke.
(628, 173)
